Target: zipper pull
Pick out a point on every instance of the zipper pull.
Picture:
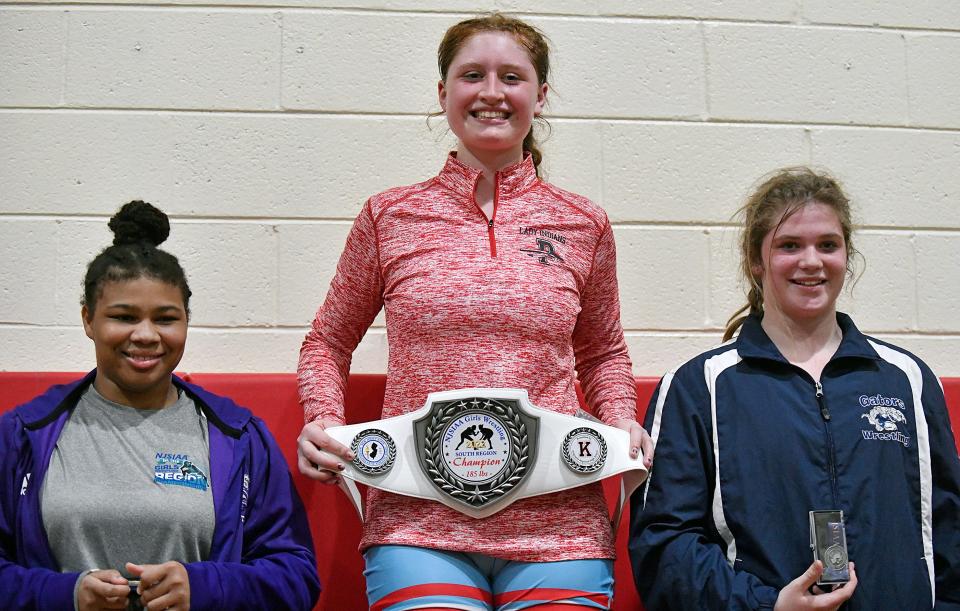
(824, 412)
(490, 223)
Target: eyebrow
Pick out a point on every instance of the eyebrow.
(127, 306)
(475, 65)
(789, 236)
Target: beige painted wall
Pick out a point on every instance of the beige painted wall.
(261, 129)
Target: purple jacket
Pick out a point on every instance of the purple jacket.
(261, 556)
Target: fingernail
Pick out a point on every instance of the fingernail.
(634, 451)
(341, 466)
(350, 456)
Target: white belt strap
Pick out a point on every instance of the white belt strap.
(479, 450)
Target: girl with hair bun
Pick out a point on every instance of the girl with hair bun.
(131, 488)
(490, 278)
(797, 413)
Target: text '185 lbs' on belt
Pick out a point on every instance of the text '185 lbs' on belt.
(478, 450)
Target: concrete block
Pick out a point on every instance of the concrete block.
(296, 165)
(726, 290)
(656, 353)
(573, 157)
(66, 162)
(884, 296)
(232, 271)
(938, 283)
(939, 352)
(689, 172)
(934, 14)
(31, 45)
(620, 68)
(173, 59)
(268, 350)
(28, 290)
(895, 177)
(357, 62)
(799, 74)
(307, 256)
(562, 7)
(776, 10)
(225, 350)
(211, 165)
(372, 353)
(34, 348)
(651, 261)
(469, 6)
(79, 241)
(934, 80)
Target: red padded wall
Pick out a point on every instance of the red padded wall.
(333, 521)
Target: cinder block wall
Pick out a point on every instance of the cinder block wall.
(261, 127)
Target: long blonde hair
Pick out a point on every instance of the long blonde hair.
(780, 196)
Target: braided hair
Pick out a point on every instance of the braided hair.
(138, 228)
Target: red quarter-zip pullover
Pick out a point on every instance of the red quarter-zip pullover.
(522, 302)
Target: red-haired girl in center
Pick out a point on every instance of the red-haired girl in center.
(490, 278)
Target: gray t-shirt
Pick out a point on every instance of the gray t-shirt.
(129, 485)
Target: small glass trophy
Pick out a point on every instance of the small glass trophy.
(828, 539)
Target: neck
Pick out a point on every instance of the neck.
(808, 344)
(489, 163)
(154, 398)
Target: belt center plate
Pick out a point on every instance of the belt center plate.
(476, 450)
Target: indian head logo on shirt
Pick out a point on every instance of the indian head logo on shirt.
(546, 245)
(884, 415)
(175, 469)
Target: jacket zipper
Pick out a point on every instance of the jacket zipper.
(832, 458)
(496, 200)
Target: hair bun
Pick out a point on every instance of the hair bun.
(138, 222)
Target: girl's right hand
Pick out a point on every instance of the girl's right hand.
(102, 590)
(320, 456)
(803, 594)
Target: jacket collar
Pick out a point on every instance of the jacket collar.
(48, 407)
(753, 341)
(511, 180)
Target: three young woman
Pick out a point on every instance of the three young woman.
(133, 484)
(490, 277)
(800, 412)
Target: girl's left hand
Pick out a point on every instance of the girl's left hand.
(639, 439)
(162, 586)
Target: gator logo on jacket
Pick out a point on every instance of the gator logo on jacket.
(884, 416)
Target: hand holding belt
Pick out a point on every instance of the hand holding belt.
(478, 450)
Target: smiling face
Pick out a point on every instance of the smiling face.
(139, 330)
(804, 262)
(490, 96)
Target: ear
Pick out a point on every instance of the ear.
(442, 95)
(757, 270)
(541, 100)
(85, 317)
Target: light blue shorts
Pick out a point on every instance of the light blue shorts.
(401, 577)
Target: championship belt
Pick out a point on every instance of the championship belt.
(478, 450)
